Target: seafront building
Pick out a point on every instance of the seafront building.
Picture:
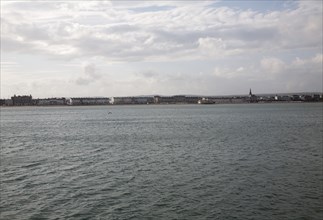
(22, 100)
(50, 101)
(88, 101)
(27, 100)
(178, 99)
(128, 100)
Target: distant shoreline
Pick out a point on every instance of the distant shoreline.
(28, 100)
(162, 104)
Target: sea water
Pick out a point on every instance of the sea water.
(240, 161)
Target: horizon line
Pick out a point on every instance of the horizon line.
(187, 95)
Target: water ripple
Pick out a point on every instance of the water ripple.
(162, 162)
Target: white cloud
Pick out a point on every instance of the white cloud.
(298, 62)
(247, 45)
(296, 75)
(89, 76)
(119, 34)
(272, 65)
(318, 59)
(211, 45)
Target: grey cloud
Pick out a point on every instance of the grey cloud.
(32, 32)
(89, 76)
(167, 78)
(148, 74)
(83, 81)
(152, 8)
(121, 28)
(91, 46)
(10, 45)
(125, 47)
(248, 33)
(90, 71)
(134, 37)
(31, 6)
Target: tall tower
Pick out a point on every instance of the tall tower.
(250, 93)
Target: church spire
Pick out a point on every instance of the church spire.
(250, 93)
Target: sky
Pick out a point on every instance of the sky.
(131, 48)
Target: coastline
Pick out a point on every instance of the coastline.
(165, 104)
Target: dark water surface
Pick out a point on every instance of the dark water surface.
(256, 161)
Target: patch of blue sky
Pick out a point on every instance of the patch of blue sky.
(262, 6)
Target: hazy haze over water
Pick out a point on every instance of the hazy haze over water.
(261, 161)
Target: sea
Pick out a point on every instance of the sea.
(238, 161)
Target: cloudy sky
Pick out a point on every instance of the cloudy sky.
(123, 48)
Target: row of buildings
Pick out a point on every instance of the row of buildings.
(178, 99)
(29, 101)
